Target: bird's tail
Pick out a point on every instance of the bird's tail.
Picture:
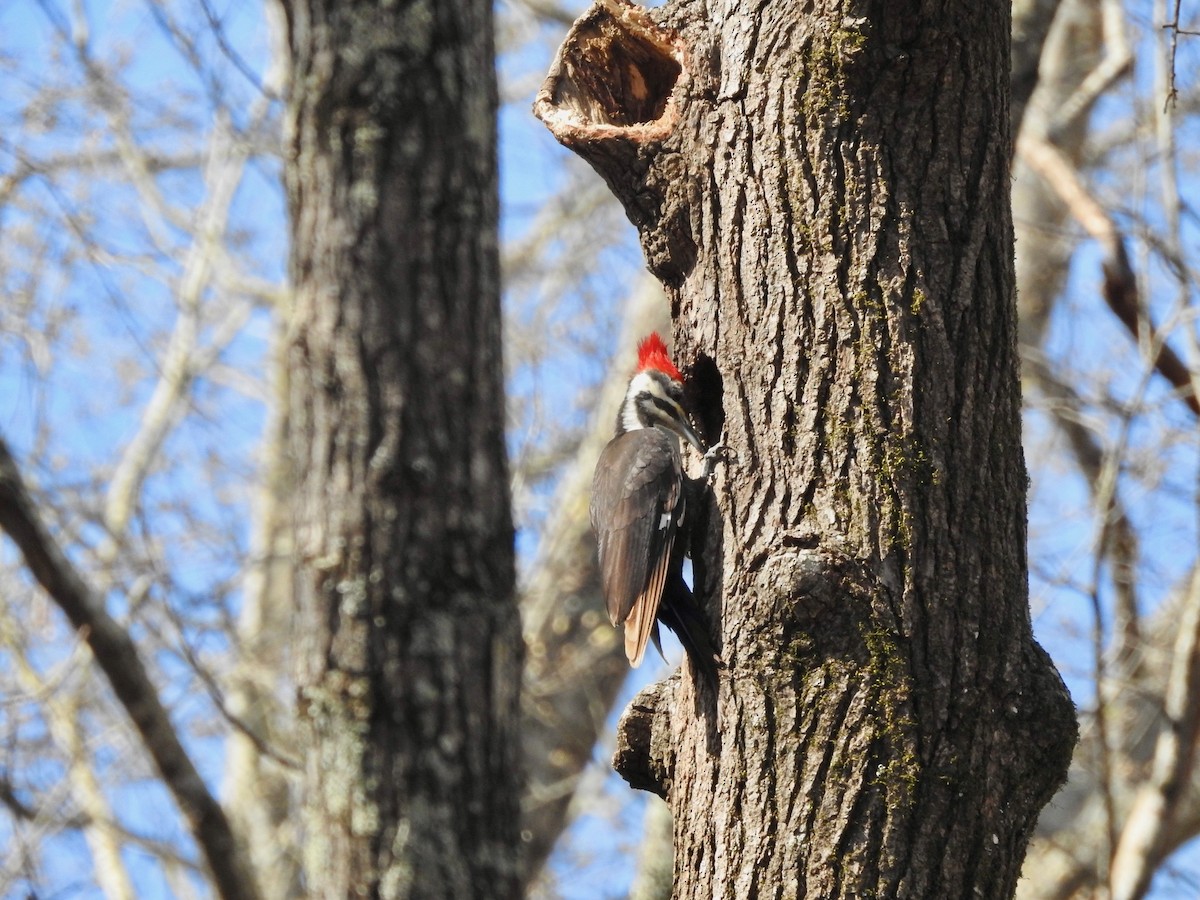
(680, 612)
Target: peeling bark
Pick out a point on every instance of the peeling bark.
(831, 222)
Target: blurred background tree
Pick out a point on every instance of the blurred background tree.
(143, 257)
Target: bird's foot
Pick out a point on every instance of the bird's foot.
(716, 453)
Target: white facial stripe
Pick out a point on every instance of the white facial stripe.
(665, 417)
(629, 415)
(645, 382)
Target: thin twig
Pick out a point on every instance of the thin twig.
(218, 30)
(1173, 27)
(217, 695)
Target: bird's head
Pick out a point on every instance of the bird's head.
(655, 395)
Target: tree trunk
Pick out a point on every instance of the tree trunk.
(410, 648)
(825, 197)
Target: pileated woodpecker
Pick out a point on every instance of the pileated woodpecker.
(639, 506)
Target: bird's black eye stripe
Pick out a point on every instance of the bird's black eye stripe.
(663, 405)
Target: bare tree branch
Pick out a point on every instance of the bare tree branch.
(1120, 544)
(1149, 821)
(119, 659)
(62, 715)
(1116, 62)
(259, 794)
(1058, 62)
(28, 811)
(1173, 28)
(1120, 284)
(1066, 860)
(1032, 20)
(183, 360)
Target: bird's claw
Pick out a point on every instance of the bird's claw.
(715, 453)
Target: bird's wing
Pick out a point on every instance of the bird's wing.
(639, 625)
(637, 501)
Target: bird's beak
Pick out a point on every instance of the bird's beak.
(683, 428)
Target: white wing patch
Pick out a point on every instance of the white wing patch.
(664, 521)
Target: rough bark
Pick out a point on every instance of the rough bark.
(410, 648)
(825, 197)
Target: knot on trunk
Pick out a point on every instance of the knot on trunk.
(825, 607)
(612, 95)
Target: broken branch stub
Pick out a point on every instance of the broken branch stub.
(644, 756)
(612, 95)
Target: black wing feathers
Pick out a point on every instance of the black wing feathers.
(637, 501)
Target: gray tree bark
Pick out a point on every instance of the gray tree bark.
(410, 648)
(824, 194)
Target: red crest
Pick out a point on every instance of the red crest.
(652, 354)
